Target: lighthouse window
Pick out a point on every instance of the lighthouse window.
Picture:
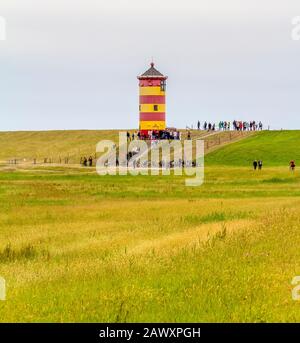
(155, 107)
(163, 85)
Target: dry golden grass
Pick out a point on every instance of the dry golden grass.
(74, 144)
(75, 246)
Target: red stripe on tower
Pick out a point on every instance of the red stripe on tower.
(149, 82)
(152, 99)
(152, 116)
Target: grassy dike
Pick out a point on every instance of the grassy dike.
(275, 148)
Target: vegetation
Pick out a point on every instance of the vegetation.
(52, 144)
(76, 246)
(56, 146)
(275, 148)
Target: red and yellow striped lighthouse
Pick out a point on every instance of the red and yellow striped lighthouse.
(152, 85)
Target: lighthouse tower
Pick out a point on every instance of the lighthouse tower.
(152, 85)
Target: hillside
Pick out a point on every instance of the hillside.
(52, 144)
(58, 145)
(275, 148)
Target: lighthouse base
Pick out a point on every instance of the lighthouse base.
(159, 134)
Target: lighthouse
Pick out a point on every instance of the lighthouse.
(152, 104)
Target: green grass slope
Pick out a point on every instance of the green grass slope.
(275, 148)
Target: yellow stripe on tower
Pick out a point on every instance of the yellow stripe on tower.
(151, 91)
(152, 125)
(150, 108)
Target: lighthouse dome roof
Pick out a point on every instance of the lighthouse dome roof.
(152, 72)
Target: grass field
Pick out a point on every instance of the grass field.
(76, 246)
(275, 148)
(52, 144)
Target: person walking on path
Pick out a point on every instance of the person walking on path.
(254, 164)
(260, 164)
(292, 166)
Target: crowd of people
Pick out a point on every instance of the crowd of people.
(86, 162)
(170, 134)
(152, 164)
(174, 134)
(257, 164)
(236, 125)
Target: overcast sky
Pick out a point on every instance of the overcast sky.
(72, 64)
